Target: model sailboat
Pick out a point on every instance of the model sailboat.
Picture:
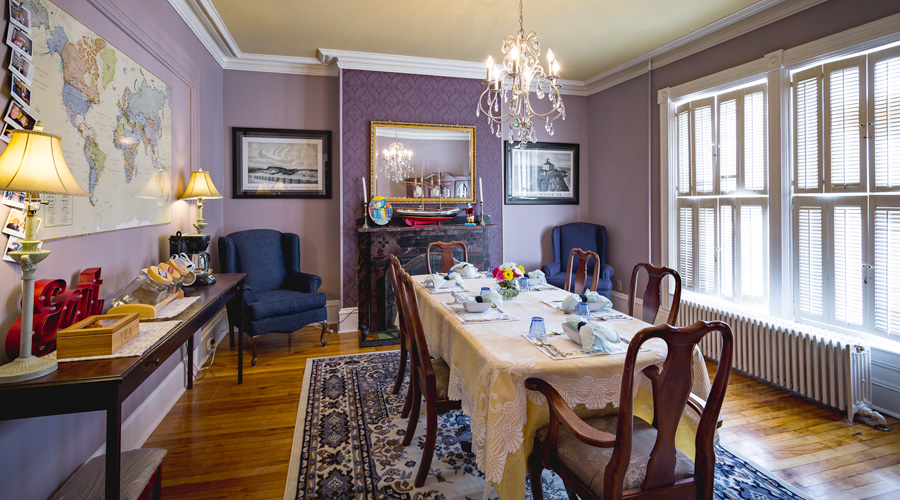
(422, 215)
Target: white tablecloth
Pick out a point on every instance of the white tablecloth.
(489, 363)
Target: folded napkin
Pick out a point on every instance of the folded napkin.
(571, 302)
(439, 281)
(462, 298)
(536, 277)
(466, 270)
(594, 336)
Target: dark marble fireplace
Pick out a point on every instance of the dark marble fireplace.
(377, 307)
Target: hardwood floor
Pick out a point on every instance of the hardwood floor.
(232, 441)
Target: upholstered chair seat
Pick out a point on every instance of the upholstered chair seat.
(589, 462)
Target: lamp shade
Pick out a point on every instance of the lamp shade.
(33, 162)
(200, 186)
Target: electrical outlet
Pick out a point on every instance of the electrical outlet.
(210, 344)
(619, 285)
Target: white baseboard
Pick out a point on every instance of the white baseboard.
(349, 320)
(334, 310)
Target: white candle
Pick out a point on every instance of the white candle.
(365, 200)
(480, 190)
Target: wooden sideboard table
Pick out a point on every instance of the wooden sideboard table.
(104, 384)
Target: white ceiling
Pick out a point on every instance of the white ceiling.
(589, 37)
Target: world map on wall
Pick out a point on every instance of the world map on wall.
(115, 121)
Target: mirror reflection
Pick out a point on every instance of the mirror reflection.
(413, 162)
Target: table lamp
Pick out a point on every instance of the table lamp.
(33, 162)
(199, 187)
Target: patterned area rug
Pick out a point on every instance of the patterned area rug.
(348, 434)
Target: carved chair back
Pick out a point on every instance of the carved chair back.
(579, 280)
(652, 294)
(446, 248)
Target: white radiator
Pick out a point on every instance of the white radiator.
(832, 369)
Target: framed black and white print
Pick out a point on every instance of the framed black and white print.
(281, 163)
(542, 173)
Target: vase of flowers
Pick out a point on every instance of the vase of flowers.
(507, 276)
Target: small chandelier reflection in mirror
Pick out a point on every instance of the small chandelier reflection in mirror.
(507, 97)
(397, 162)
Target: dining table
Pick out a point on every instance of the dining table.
(490, 357)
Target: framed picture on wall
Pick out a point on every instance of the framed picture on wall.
(281, 163)
(542, 173)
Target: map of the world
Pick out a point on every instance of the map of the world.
(115, 121)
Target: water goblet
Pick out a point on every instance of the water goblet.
(583, 311)
(484, 290)
(537, 331)
(524, 285)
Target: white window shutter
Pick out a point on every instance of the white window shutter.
(849, 273)
(704, 159)
(683, 148)
(726, 250)
(809, 260)
(752, 252)
(755, 149)
(686, 245)
(887, 269)
(807, 126)
(706, 249)
(885, 108)
(844, 116)
(728, 144)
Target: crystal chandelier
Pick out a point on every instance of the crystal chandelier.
(397, 162)
(507, 97)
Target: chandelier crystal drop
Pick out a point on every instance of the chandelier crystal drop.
(397, 162)
(511, 84)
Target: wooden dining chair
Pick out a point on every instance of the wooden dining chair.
(653, 292)
(430, 378)
(580, 276)
(446, 248)
(619, 456)
(394, 275)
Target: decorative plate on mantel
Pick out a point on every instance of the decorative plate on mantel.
(380, 210)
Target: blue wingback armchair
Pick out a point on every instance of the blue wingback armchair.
(585, 236)
(277, 296)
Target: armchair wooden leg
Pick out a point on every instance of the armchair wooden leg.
(401, 372)
(253, 341)
(413, 417)
(535, 469)
(322, 335)
(430, 442)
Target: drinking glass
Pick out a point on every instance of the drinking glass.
(524, 285)
(484, 290)
(490, 272)
(583, 311)
(537, 330)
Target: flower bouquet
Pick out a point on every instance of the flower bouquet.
(507, 276)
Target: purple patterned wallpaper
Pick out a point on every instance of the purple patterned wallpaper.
(372, 96)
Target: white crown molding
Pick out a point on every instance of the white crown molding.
(205, 22)
(868, 36)
(279, 64)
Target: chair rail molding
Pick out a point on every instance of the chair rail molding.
(203, 19)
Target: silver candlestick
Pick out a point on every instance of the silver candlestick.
(481, 222)
(365, 215)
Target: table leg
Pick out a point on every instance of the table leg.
(240, 335)
(190, 362)
(113, 449)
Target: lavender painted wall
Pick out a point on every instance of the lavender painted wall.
(40, 452)
(368, 96)
(619, 124)
(527, 228)
(270, 100)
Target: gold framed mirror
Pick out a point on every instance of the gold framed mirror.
(422, 162)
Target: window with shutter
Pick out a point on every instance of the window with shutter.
(806, 129)
(755, 150)
(809, 260)
(706, 248)
(885, 110)
(726, 250)
(844, 119)
(686, 245)
(848, 263)
(682, 124)
(887, 267)
(728, 145)
(703, 148)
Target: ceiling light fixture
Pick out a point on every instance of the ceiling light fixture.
(512, 84)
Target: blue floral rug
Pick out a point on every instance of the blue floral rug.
(348, 434)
